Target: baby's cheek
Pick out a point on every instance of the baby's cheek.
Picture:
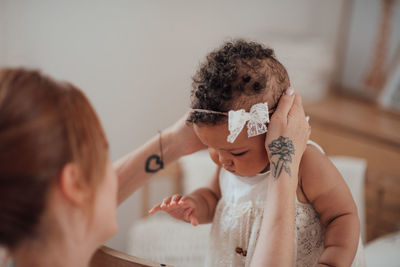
(214, 156)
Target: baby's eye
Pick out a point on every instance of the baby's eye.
(239, 154)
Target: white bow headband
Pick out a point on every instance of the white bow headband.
(256, 120)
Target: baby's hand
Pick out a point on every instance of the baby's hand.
(181, 208)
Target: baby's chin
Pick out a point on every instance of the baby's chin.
(250, 174)
(267, 168)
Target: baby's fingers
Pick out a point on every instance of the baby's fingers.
(165, 202)
(155, 208)
(161, 205)
(189, 216)
(175, 199)
(187, 201)
(186, 214)
(193, 220)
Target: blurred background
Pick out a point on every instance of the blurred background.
(135, 59)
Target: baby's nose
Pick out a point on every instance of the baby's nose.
(225, 160)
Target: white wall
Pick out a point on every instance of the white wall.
(134, 59)
(2, 32)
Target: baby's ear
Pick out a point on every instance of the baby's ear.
(73, 185)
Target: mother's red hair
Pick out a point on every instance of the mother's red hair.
(44, 124)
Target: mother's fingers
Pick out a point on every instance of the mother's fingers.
(297, 108)
(285, 104)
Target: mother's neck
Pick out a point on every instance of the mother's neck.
(51, 255)
(62, 240)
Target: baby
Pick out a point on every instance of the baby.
(240, 84)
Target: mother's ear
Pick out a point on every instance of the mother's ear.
(73, 185)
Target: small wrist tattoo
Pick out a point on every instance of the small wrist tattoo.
(154, 163)
(281, 150)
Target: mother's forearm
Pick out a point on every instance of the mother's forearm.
(275, 245)
(131, 169)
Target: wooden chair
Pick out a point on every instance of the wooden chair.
(107, 257)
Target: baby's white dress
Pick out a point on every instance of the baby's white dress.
(237, 222)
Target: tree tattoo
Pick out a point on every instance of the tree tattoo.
(282, 147)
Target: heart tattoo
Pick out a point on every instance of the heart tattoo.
(154, 163)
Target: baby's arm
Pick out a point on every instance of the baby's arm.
(197, 207)
(326, 190)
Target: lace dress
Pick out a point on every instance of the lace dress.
(237, 222)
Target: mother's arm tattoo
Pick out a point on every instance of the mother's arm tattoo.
(153, 164)
(282, 147)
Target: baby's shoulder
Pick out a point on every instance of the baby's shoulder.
(316, 169)
(311, 161)
(316, 172)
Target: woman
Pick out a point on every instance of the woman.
(58, 189)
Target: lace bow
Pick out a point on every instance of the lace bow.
(256, 118)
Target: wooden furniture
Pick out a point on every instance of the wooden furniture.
(107, 257)
(344, 125)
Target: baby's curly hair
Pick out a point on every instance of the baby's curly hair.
(237, 75)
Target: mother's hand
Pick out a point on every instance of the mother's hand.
(286, 140)
(287, 135)
(183, 137)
